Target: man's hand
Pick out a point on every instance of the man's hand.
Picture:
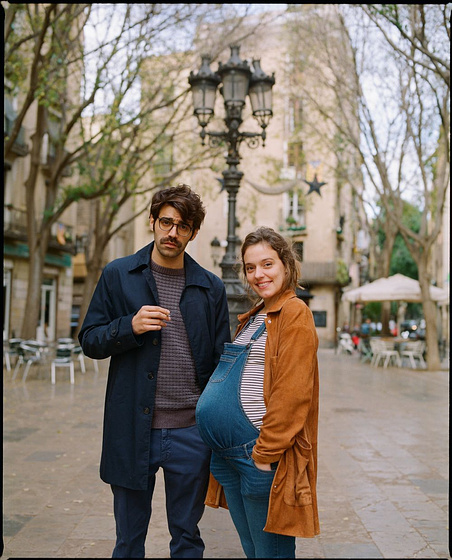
(150, 318)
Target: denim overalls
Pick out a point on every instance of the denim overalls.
(226, 429)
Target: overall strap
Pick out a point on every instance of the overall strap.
(259, 331)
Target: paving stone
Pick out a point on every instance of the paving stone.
(383, 469)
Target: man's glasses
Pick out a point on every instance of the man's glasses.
(167, 224)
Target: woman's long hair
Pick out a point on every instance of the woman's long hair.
(284, 250)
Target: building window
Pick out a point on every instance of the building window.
(295, 211)
(47, 318)
(295, 156)
(319, 318)
(295, 114)
(9, 116)
(298, 248)
(164, 159)
(75, 315)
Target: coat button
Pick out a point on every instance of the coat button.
(147, 410)
(269, 321)
(155, 341)
(117, 343)
(150, 375)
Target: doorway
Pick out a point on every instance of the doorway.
(6, 302)
(47, 315)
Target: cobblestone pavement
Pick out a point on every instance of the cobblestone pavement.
(383, 468)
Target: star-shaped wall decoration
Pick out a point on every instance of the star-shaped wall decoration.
(314, 186)
(221, 181)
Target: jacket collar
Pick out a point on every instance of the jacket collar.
(194, 273)
(275, 308)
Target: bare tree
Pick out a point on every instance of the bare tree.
(84, 64)
(42, 43)
(391, 106)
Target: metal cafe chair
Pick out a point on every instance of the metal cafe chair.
(365, 350)
(30, 352)
(63, 358)
(10, 349)
(78, 353)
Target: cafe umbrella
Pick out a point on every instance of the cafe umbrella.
(394, 288)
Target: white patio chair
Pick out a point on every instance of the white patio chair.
(414, 350)
(375, 348)
(384, 350)
(390, 353)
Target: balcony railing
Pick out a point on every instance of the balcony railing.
(19, 147)
(292, 230)
(15, 227)
(15, 221)
(327, 272)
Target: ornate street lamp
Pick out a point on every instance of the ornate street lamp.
(238, 81)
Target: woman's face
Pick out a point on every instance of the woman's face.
(265, 272)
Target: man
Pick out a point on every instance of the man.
(163, 320)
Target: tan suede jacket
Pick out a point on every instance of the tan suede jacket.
(289, 430)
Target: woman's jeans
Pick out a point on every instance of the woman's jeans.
(224, 426)
(247, 491)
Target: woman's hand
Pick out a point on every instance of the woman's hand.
(263, 466)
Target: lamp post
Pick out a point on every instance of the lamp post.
(238, 81)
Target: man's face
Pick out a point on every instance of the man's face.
(170, 245)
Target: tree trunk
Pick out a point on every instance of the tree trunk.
(93, 267)
(37, 240)
(383, 267)
(430, 315)
(33, 299)
(385, 316)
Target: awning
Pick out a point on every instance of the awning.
(394, 288)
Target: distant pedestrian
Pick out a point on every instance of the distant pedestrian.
(163, 320)
(366, 328)
(259, 411)
(356, 336)
(392, 326)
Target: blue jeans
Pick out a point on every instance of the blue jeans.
(247, 491)
(184, 458)
(225, 428)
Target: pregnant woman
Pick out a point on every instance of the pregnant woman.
(259, 410)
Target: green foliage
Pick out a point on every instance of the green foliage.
(81, 191)
(342, 275)
(401, 260)
(389, 11)
(372, 311)
(273, 168)
(16, 60)
(16, 70)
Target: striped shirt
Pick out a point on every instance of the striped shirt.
(252, 383)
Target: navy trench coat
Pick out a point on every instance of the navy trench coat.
(126, 284)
